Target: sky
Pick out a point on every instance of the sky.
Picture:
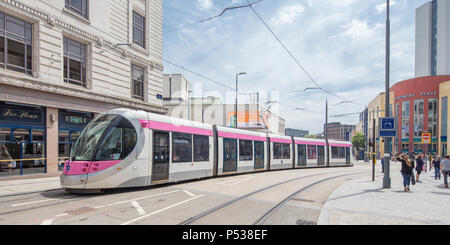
(339, 43)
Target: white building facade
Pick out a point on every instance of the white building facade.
(62, 62)
(433, 39)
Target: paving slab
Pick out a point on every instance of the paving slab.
(364, 202)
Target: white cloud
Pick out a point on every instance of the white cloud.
(287, 14)
(382, 6)
(205, 4)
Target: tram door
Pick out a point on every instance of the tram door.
(229, 155)
(301, 150)
(347, 155)
(161, 154)
(320, 155)
(259, 155)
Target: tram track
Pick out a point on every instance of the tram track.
(263, 218)
(267, 214)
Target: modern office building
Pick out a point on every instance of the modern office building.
(296, 132)
(433, 39)
(338, 131)
(62, 62)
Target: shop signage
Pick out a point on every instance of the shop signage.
(426, 138)
(70, 119)
(10, 115)
(413, 95)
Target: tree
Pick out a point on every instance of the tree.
(359, 141)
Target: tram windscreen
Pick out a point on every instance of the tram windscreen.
(88, 140)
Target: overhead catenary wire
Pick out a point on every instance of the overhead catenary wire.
(295, 59)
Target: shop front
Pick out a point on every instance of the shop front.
(22, 139)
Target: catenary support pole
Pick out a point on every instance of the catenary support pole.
(387, 141)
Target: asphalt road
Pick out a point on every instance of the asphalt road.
(174, 204)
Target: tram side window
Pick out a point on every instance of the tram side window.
(161, 147)
(118, 144)
(312, 152)
(245, 150)
(182, 147)
(334, 152)
(341, 152)
(286, 150)
(277, 148)
(201, 148)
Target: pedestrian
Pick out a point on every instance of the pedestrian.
(419, 167)
(445, 169)
(382, 165)
(406, 171)
(437, 167)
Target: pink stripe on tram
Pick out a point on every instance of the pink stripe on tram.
(309, 143)
(275, 140)
(341, 145)
(241, 136)
(174, 128)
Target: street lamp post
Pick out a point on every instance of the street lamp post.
(236, 106)
(387, 179)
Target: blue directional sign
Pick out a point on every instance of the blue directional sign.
(388, 127)
(387, 123)
(388, 133)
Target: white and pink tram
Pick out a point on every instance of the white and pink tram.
(127, 148)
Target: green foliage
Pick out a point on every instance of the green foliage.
(359, 141)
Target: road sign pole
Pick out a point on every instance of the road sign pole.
(373, 151)
(387, 141)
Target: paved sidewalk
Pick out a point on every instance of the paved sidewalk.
(13, 187)
(363, 202)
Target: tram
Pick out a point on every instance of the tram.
(128, 148)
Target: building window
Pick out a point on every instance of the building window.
(433, 117)
(138, 76)
(15, 44)
(405, 119)
(418, 117)
(74, 62)
(444, 118)
(78, 6)
(138, 29)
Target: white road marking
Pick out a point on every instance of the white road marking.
(230, 183)
(161, 210)
(190, 194)
(138, 207)
(140, 198)
(47, 222)
(29, 203)
(60, 215)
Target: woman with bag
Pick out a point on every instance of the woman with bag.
(419, 167)
(406, 171)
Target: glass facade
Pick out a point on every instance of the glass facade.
(434, 40)
(418, 117)
(405, 120)
(444, 125)
(22, 140)
(433, 117)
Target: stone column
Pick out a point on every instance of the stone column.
(52, 141)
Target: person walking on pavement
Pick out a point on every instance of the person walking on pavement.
(406, 171)
(382, 165)
(419, 167)
(445, 168)
(437, 167)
